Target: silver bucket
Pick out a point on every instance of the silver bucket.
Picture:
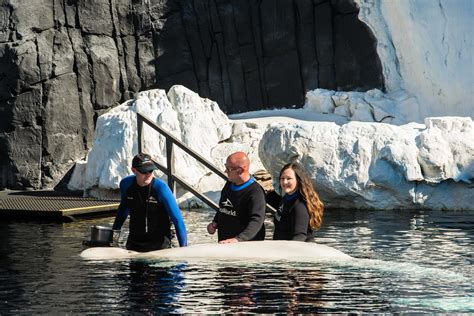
(101, 234)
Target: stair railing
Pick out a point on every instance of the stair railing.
(169, 168)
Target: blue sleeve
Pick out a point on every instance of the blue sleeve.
(122, 212)
(166, 197)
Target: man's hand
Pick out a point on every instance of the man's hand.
(211, 228)
(229, 241)
(115, 238)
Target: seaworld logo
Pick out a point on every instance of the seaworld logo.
(227, 208)
(228, 212)
(227, 203)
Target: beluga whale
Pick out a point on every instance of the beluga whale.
(268, 250)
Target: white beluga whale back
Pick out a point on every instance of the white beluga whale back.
(253, 250)
(270, 251)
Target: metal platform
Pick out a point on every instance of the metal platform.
(51, 205)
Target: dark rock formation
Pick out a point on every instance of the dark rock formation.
(64, 62)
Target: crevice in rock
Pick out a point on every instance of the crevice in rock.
(242, 69)
(193, 57)
(261, 53)
(297, 20)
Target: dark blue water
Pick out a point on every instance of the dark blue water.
(408, 262)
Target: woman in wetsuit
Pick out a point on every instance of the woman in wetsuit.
(300, 211)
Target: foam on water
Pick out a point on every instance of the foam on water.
(408, 269)
(451, 304)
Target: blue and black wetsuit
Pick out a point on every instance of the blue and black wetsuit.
(292, 219)
(241, 212)
(151, 208)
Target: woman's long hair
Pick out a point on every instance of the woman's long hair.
(313, 203)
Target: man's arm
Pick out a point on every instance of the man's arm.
(214, 225)
(122, 214)
(122, 211)
(256, 206)
(165, 195)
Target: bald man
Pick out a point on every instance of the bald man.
(241, 206)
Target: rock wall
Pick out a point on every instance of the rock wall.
(64, 62)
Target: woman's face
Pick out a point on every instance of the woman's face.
(288, 182)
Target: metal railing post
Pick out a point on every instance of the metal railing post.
(140, 133)
(170, 165)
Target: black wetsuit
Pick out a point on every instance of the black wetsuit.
(241, 212)
(292, 219)
(150, 208)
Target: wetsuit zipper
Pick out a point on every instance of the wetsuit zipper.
(146, 202)
(146, 209)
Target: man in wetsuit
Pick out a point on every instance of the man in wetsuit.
(151, 205)
(241, 206)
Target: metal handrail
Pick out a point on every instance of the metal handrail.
(169, 170)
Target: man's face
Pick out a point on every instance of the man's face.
(233, 171)
(143, 179)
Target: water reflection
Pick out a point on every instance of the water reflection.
(237, 295)
(217, 287)
(153, 289)
(292, 290)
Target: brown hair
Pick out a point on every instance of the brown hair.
(307, 191)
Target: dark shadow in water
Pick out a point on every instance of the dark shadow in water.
(12, 291)
(154, 289)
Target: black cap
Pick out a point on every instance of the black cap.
(143, 163)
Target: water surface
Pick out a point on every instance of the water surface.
(407, 262)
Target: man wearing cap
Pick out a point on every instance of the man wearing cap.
(242, 204)
(151, 205)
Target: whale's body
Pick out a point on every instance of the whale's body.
(258, 250)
